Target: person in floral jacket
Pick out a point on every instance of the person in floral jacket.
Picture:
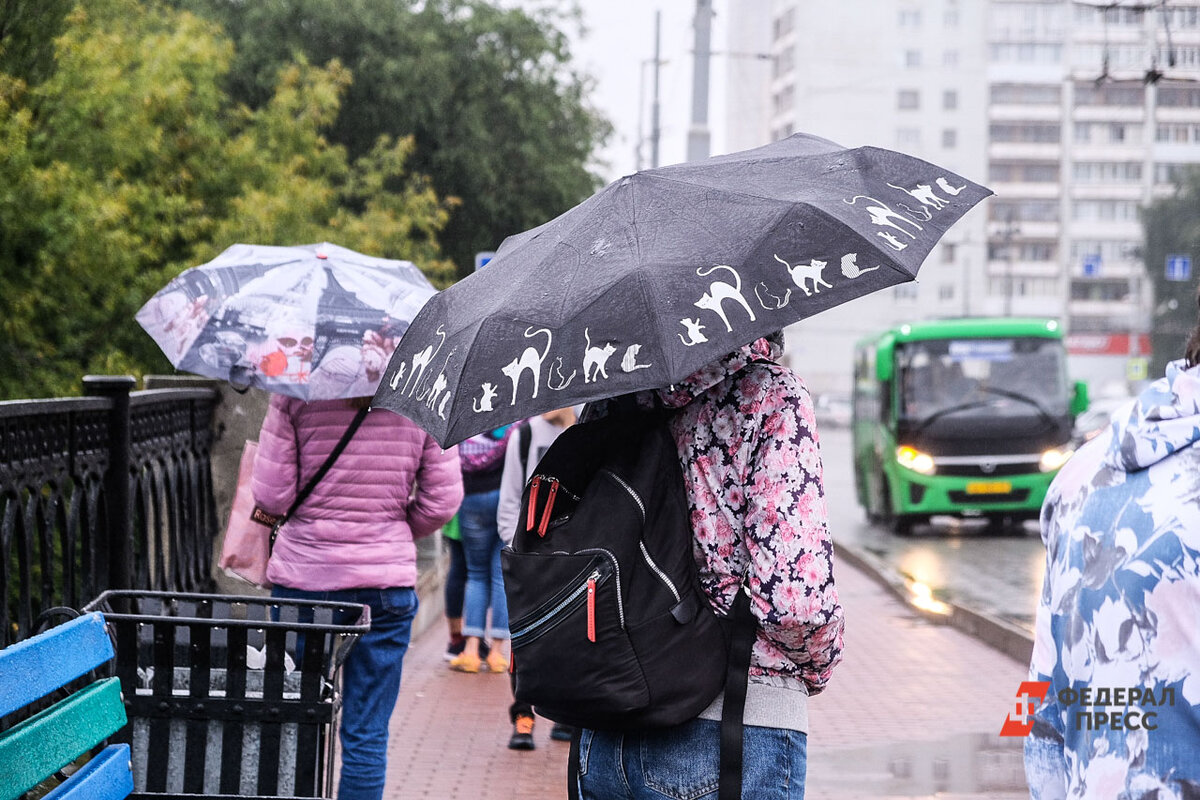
(1117, 626)
(747, 440)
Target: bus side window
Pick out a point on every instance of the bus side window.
(885, 401)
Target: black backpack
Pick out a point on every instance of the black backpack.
(610, 627)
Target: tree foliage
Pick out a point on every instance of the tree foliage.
(1172, 227)
(496, 113)
(128, 162)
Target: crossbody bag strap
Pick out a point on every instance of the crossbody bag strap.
(734, 705)
(303, 494)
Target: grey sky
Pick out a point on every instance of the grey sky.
(619, 38)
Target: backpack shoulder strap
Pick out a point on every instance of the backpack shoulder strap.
(524, 439)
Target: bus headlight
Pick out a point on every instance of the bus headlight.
(914, 459)
(1054, 458)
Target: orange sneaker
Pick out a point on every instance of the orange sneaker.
(465, 662)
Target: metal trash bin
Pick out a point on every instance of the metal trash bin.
(230, 695)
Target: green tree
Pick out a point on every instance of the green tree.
(129, 163)
(1172, 227)
(497, 114)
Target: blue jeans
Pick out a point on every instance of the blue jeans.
(485, 581)
(681, 763)
(370, 683)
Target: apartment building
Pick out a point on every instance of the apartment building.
(1075, 115)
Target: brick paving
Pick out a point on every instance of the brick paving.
(912, 711)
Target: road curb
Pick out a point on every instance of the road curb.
(1009, 639)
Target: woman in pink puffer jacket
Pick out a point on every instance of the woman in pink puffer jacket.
(353, 540)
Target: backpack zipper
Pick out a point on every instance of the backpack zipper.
(662, 576)
(617, 572)
(588, 587)
(641, 542)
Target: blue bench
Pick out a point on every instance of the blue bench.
(47, 740)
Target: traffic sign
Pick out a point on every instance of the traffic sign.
(482, 258)
(1179, 268)
(1091, 265)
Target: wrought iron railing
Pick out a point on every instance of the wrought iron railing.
(109, 491)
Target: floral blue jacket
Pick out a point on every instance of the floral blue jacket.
(1119, 618)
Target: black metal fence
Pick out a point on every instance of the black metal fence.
(108, 491)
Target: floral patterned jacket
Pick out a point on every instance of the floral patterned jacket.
(747, 440)
(1120, 608)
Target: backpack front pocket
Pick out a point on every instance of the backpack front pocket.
(572, 656)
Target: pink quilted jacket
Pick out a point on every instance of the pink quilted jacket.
(391, 485)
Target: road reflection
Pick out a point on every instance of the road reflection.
(967, 765)
(958, 560)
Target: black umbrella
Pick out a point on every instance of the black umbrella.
(664, 271)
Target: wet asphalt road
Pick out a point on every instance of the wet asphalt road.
(997, 574)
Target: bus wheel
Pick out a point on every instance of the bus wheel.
(903, 524)
(1001, 523)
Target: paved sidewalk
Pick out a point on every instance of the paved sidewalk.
(912, 711)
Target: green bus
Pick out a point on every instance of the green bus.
(968, 417)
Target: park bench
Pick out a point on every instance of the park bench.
(43, 735)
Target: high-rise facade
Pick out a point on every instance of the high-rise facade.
(1074, 115)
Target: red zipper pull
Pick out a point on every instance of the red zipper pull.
(512, 663)
(545, 523)
(532, 510)
(591, 609)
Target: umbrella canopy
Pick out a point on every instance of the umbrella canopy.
(664, 271)
(315, 321)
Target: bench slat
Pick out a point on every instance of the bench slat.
(105, 777)
(53, 738)
(37, 666)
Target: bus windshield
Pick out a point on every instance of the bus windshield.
(981, 377)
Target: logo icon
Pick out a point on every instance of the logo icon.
(1030, 695)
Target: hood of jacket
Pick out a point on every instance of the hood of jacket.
(708, 376)
(1162, 420)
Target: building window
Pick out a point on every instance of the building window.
(946, 292)
(1105, 211)
(1025, 132)
(1087, 94)
(909, 18)
(908, 138)
(1023, 172)
(1026, 94)
(906, 291)
(1178, 97)
(950, 18)
(949, 99)
(912, 58)
(908, 100)
(950, 58)
(948, 252)
(1106, 171)
(949, 138)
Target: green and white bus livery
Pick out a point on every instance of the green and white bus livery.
(968, 417)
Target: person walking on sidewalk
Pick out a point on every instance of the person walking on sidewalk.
(525, 449)
(1120, 597)
(482, 459)
(746, 433)
(352, 540)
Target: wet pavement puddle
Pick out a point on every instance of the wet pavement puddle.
(972, 765)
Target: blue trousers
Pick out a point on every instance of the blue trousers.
(370, 683)
(485, 580)
(682, 763)
(456, 578)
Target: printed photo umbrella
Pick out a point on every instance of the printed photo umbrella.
(314, 322)
(664, 271)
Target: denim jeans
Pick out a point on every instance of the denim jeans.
(681, 763)
(485, 581)
(370, 683)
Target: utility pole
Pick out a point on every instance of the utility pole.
(1010, 230)
(654, 129)
(698, 134)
